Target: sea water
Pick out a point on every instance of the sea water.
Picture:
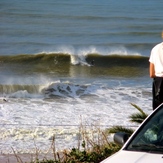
(70, 63)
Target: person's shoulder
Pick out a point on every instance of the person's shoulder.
(157, 46)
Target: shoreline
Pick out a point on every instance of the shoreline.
(24, 157)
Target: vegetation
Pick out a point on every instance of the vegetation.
(91, 150)
(137, 118)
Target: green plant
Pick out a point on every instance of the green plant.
(115, 129)
(134, 118)
(138, 117)
(95, 155)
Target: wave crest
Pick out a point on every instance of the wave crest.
(66, 89)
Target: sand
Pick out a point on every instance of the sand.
(23, 158)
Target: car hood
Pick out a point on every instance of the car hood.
(134, 157)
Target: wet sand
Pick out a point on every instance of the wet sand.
(23, 158)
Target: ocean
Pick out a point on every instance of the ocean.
(69, 63)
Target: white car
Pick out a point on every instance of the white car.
(145, 145)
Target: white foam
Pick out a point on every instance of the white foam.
(66, 89)
(78, 56)
(25, 120)
(84, 51)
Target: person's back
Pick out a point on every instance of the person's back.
(156, 72)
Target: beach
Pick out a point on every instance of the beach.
(67, 63)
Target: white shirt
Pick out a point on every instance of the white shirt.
(156, 58)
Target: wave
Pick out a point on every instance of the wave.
(50, 90)
(83, 58)
(86, 63)
(66, 89)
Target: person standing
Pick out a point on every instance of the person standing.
(156, 72)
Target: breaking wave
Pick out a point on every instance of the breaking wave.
(51, 90)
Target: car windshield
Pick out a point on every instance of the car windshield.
(149, 137)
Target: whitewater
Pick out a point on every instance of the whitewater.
(59, 109)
